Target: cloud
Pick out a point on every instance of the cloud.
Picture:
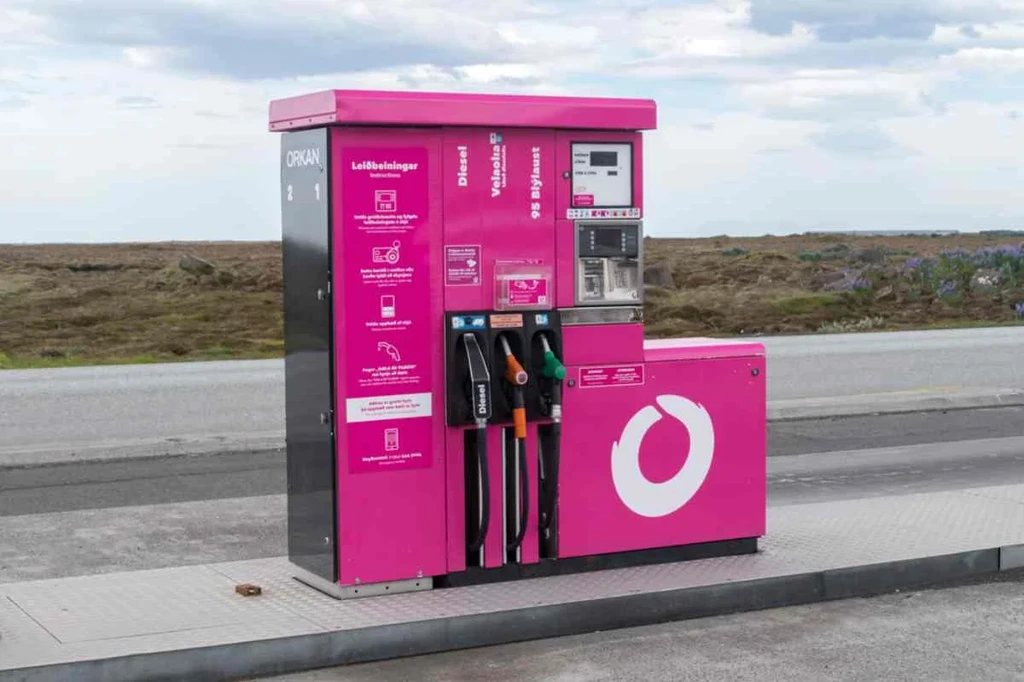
(136, 102)
(970, 32)
(859, 140)
(834, 21)
(474, 75)
(782, 102)
(13, 102)
(987, 59)
(264, 39)
(842, 94)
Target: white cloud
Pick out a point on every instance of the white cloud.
(837, 94)
(968, 136)
(20, 25)
(719, 29)
(774, 113)
(989, 59)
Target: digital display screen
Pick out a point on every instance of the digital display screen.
(608, 239)
(604, 159)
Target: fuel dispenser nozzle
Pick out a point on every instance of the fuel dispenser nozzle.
(480, 398)
(554, 370)
(517, 378)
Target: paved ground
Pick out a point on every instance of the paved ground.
(142, 407)
(965, 633)
(201, 406)
(100, 485)
(92, 518)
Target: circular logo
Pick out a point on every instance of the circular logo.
(636, 491)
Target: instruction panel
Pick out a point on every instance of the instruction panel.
(387, 307)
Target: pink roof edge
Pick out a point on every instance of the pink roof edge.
(418, 108)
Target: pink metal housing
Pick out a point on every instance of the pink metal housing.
(434, 195)
(383, 108)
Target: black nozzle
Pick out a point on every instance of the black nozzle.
(479, 379)
(479, 387)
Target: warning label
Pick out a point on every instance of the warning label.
(606, 377)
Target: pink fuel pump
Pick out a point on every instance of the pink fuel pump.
(470, 396)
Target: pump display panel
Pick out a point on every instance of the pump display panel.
(608, 263)
(602, 175)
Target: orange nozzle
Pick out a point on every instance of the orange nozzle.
(519, 421)
(514, 373)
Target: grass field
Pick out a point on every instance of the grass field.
(89, 304)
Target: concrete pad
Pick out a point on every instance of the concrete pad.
(189, 623)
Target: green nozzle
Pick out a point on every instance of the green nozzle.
(553, 369)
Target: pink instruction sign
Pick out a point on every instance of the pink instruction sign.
(527, 291)
(583, 200)
(384, 198)
(462, 266)
(615, 375)
(389, 445)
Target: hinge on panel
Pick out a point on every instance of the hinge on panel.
(327, 418)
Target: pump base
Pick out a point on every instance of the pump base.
(337, 591)
(573, 565)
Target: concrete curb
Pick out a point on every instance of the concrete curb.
(248, 660)
(157, 448)
(897, 402)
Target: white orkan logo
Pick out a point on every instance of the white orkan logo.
(636, 491)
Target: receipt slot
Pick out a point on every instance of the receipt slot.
(469, 393)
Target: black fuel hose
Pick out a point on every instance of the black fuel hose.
(551, 451)
(485, 491)
(524, 485)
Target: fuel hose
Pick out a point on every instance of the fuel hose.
(524, 492)
(485, 488)
(554, 371)
(517, 377)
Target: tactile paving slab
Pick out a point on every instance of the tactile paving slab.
(126, 616)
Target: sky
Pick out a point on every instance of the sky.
(123, 120)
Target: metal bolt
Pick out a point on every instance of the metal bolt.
(572, 382)
(755, 372)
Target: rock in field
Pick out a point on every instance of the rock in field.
(659, 275)
(196, 266)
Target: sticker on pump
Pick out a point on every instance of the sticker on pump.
(527, 291)
(507, 321)
(612, 375)
(469, 322)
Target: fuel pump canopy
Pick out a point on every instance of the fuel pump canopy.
(470, 396)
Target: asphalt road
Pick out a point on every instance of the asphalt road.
(810, 461)
(964, 633)
(84, 518)
(203, 406)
